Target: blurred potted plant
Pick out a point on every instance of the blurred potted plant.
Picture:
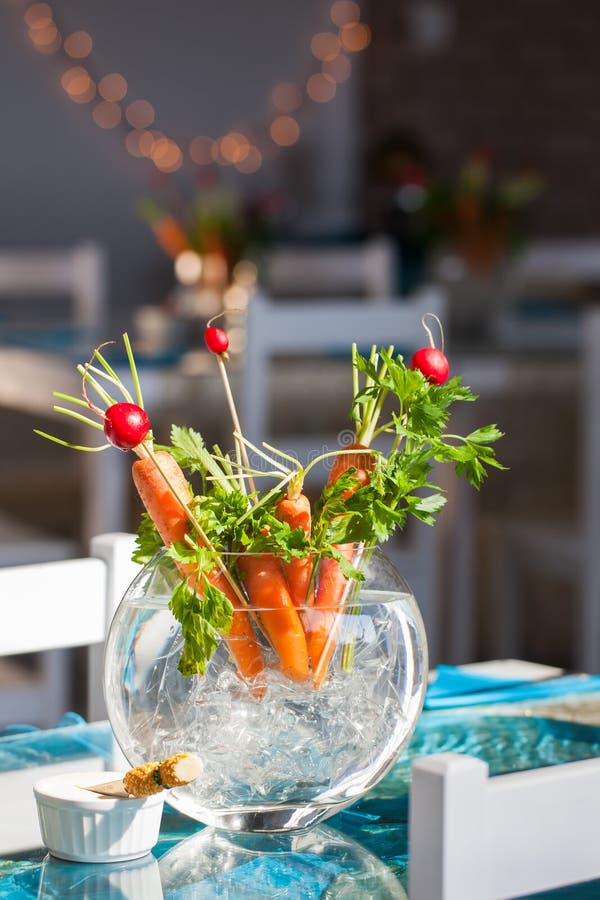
(214, 242)
(217, 222)
(480, 213)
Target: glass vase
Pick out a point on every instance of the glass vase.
(278, 754)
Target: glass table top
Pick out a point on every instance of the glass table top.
(360, 852)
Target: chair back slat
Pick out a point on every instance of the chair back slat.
(367, 269)
(49, 605)
(298, 327)
(79, 273)
(473, 837)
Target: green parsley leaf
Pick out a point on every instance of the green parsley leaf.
(203, 620)
(486, 435)
(148, 541)
(187, 447)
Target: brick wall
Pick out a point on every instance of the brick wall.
(521, 77)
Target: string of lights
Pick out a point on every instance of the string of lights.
(112, 106)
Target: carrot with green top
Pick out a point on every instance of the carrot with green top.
(294, 508)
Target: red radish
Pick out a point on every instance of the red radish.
(126, 425)
(432, 363)
(216, 340)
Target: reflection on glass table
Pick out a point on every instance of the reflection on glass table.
(362, 852)
(320, 862)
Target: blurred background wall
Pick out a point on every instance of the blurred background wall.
(206, 67)
(518, 77)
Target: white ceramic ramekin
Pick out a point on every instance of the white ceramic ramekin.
(84, 827)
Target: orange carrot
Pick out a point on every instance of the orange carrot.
(161, 505)
(295, 510)
(172, 524)
(266, 587)
(322, 623)
(363, 461)
(322, 620)
(240, 638)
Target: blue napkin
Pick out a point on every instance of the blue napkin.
(22, 749)
(455, 687)
(69, 719)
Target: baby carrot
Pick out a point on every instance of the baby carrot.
(322, 622)
(240, 638)
(172, 524)
(362, 460)
(294, 508)
(161, 505)
(267, 589)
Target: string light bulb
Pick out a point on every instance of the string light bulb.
(339, 68)
(166, 155)
(355, 37)
(325, 46)
(112, 87)
(140, 114)
(146, 143)
(321, 88)
(234, 147)
(251, 163)
(343, 12)
(106, 114)
(133, 143)
(284, 131)
(76, 82)
(38, 15)
(46, 39)
(78, 45)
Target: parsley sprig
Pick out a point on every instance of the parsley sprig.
(203, 619)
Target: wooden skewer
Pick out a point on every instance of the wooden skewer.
(237, 431)
(151, 778)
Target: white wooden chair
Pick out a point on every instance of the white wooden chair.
(366, 269)
(48, 607)
(472, 837)
(567, 551)
(78, 275)
(298, 328)
(546, 270)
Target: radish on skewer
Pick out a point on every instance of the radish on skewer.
(430, 361)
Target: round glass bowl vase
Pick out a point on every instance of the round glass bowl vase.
(278, 754)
